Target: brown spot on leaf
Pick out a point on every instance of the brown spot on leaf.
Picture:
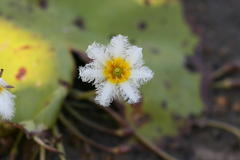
(79, 22)
(64, 83)
(164, 104)
(147, 2)
(25, 47)
(189, 64)
(142, 25)
(43, 4)
(155, 50)
(21, 73)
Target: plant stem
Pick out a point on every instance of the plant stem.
(42, 153)
(227, 68)
(81, 95)
(45, 146)
(153, 147)
(108, 110)
(60, 146)
(221, 125)
(115, 150)
(77, 104)
(75, 114)
(123, 122)
(115, 116)
(227, 84)
(14, 150)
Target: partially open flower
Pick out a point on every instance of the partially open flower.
(7, 104)
(116, 70)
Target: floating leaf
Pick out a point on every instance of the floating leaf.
(31, 65)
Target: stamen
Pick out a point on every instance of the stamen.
(117, 70)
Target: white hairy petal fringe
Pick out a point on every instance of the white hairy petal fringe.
(129, 92)
(89, 73)
(7, 104)
(105, 93)
(118, 46)
(141, 75)
(97, 52)
(134, 56)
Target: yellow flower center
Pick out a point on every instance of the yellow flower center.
(1, 89)
(117, 70)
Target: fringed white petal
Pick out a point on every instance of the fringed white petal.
(134, 56)
(93, 72)
(90, 73)
(141, 75)
(97, 52)
(129, 92)
(105, 94)
(118, 46)
(7, 104)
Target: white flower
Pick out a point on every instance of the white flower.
(117, 71)
(7, 104)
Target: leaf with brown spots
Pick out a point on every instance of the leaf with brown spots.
(33, 68)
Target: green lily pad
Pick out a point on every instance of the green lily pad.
(160, 29)
(31, 65)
